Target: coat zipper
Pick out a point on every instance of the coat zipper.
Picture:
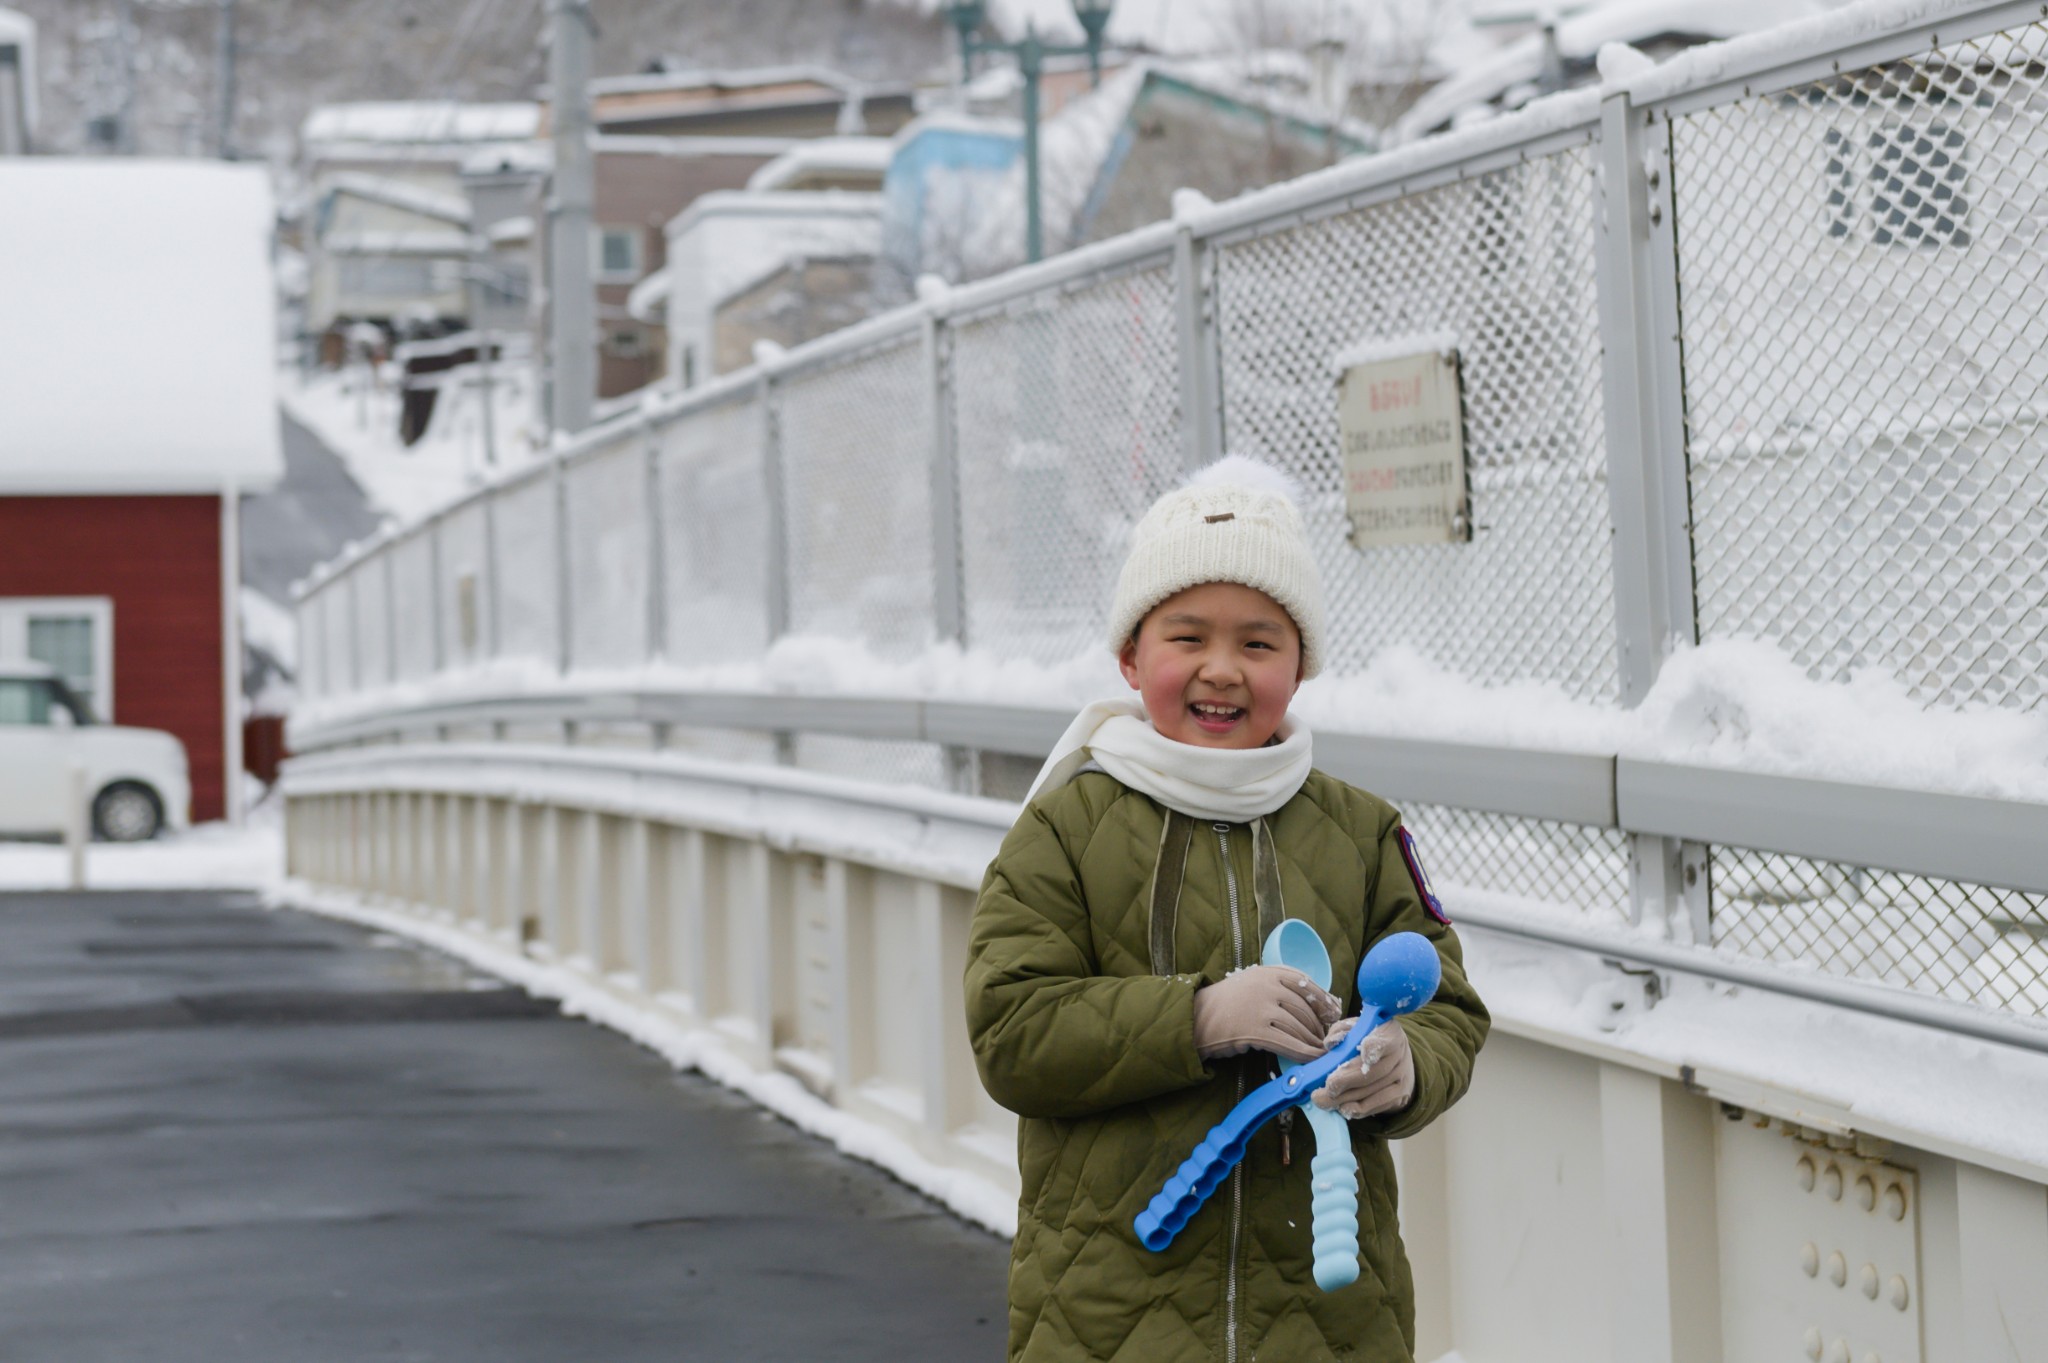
(1237, 1174)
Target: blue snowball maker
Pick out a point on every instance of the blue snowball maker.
(1398, 975)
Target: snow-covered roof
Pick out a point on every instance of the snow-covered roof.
(648, 302)
(428, 203)
(136, 347)
(420, 120)
(1582, 35)
(729, 238)
(684, 147)
(825, 156)
(743, 78)
(747, 203)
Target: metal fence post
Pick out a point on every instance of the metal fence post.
(355, 631)
(949, 598)
(657, 550)
(1201, 397)
(440, 656)
(489, 584)
(1644, 386)
(564, 651)
(776, 579)
(384, 556)
(657, 567)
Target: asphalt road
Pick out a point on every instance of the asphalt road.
(230, 1134)
(313, 511)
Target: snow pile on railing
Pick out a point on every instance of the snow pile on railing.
(1739, 705)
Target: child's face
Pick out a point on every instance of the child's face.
(1216, 665)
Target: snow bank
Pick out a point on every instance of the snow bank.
(356, 417)
(1744, 704)
(211, 856)
(421, 120)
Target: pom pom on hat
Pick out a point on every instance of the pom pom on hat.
(1238, 520)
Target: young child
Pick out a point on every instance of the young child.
(1113, 993)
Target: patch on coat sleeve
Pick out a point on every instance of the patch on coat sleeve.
(1421, 877)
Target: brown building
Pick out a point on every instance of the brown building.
(641, 183)
(774, 101)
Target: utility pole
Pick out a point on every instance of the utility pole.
(224, 64)
(572, 305)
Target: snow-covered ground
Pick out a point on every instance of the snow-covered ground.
(211, 856)
(355, 413)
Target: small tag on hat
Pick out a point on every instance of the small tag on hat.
(1421, 877)
(1221, 516)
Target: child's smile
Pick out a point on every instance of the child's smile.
(1216, 665)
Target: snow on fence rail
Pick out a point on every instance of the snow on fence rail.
(1744, 359)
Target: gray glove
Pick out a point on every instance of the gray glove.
(1264, 1008)
(1380, 1078)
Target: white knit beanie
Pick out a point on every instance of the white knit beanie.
(1237, 520)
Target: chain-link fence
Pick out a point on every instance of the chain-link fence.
(1862, 275)
(855, 443)
(1862, 268)
(714, 521)
(1853, 277)
(1067, 425)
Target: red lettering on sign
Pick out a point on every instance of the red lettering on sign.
(1392, 394)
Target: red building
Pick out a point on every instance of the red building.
(136, 407)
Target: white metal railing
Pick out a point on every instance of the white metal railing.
(959, 473)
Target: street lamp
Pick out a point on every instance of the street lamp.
(1031, 52)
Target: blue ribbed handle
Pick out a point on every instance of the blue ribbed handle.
(1398, 975)
(1333, 1179)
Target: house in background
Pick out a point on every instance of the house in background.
(730, 241)
(388, 251)
(17, 82)
(640, 184)
(1110, 160)
(389, 230)
(125, 448)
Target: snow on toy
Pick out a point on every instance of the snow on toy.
(1397, 976)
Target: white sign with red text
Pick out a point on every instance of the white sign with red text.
(1403, 430)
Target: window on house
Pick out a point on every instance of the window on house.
(1903, 184)
(624, 345)
(65, 643)
(618, 252)
(73, 636)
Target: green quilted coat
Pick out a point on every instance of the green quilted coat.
(1097, 922)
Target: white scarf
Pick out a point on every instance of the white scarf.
(1234, 785)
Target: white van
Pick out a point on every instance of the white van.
(137, 779)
